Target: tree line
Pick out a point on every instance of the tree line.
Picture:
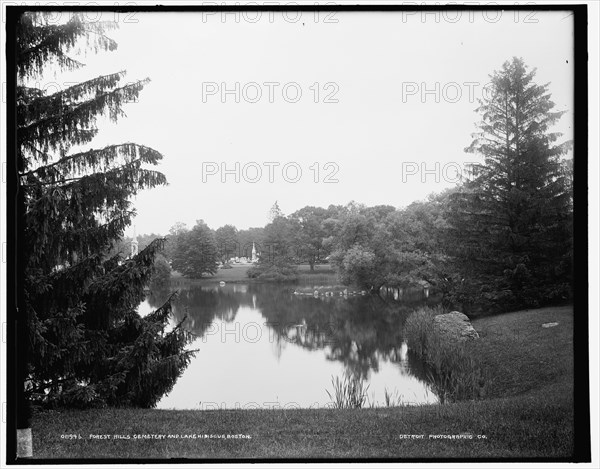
(501, 239)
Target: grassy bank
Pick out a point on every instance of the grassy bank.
(527, 413)
(238, 274)
(522, 356)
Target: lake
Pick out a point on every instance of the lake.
(262, 346)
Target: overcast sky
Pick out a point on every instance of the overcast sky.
(395, 95)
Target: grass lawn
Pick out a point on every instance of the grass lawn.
(528, 413)
(237, 274)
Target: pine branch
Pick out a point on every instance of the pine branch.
(91, 158)
(112, 43)
(49, 105)
(83, 114)
(37, 44)
(50, 384)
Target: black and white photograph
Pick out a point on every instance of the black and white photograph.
(299, 232)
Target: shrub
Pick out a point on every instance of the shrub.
(516, 289)
(418, 329)
(455, 374)
(274, 272)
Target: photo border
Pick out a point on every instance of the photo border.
(582, 448)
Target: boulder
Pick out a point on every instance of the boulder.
(455, 326)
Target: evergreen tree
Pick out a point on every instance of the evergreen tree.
(88, 345)
(513, 217)
(275, 212)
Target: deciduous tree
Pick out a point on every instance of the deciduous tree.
(227, 242)
(196, 252)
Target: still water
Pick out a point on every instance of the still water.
(261, 346)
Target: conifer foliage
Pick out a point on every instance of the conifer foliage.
(514, 216)
(88, 344)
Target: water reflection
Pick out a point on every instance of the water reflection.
(262, 344)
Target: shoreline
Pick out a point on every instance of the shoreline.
(237, 274)
(528, 413)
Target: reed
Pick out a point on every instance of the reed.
(455, 374)
(349, 392)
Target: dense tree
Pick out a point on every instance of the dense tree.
(89, 346)
(172, 236)
(162, 274)
(195, 252)
(278, 257)
(416, 239)
(226, 238)
(513, 217)
(381, 245)
(361, 245)
(249, 237)
(308, 240)
(279, 244)
(358, 265)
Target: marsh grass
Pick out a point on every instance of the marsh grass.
(455, 373)
(389, 399)
(349, 392)
(395, 399)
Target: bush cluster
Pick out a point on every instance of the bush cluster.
(454, 374)
(274, 272)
